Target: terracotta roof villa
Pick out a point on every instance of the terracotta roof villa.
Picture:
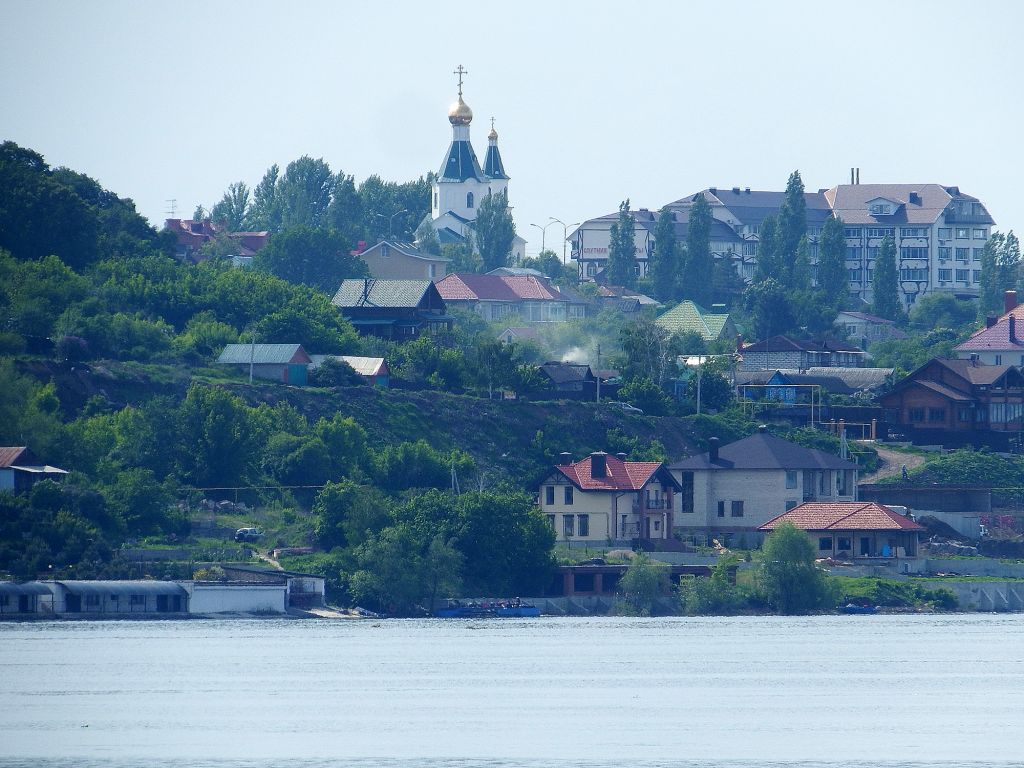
(604, 497)
(493, 297)
(853, 529)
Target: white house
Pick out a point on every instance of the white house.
(736, 488)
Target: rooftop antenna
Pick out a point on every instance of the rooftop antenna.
(172, 207)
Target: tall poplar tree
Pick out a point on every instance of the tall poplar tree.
(885, 282)
(621, 269)
(792, 222)
(664, 266)
(494, 231)
(800, 280)
(699, 268)
(768, 250)
(832, 279)
(1000, 271)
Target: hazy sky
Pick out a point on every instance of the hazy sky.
(594, 102)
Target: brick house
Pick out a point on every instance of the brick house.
(853, 529)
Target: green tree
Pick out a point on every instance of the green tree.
(389, 572)
(650, 351)
(792, 223)
(832, 277)
(348, 515)
(266, 210)
(312, 257)
(426, 237)
(647, 396)
(621, 267)
(787, 577)
(219, 440)
(496, 366)
(1000, 272)
(642, 585)
(800, 279)
(714, 595)
(137, 497)
(770, 307)
(886, 282)
(233, 209)
(716, 393)
(699, 268)
(769, 261)
(664, 267)
(942, 310)
(304, 193)
(494, 231)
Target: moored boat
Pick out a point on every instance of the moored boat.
(476, 609)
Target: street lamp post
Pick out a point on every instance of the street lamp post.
(543, 234)
(391, 222)
(565, 233)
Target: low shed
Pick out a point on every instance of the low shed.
(25, 599)
(119, 597)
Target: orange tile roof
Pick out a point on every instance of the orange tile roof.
(843, 516)
(619, 476)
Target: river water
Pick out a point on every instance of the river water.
(540, 693)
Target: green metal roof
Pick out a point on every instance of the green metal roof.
(688, 317)
(381, 293)
(261, 354)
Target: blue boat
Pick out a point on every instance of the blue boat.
(854, 608)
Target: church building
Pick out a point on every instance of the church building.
(461, 184)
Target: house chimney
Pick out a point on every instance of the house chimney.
(858, 176)
(1013, 329)
(915, 198)
(1009, 301)
(564, 459)
(598, 465)
(990, 320)
(851, 176)
(713, 450)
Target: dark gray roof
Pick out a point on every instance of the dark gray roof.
(123, 587)
(562, 373)
(765, 451)
(753, 206)
(260, 354)
(407, 248)
(381, 293)
(493, 166)
(460, 163)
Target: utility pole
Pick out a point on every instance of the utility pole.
(597, 373)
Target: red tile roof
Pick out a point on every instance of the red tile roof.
(843, 516)
(998, 336)
(619, 475)
(19, 454)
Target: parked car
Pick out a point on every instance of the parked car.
(248, 534)
(625, 407)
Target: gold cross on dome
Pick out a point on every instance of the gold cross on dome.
(460, 72)
(492, 123)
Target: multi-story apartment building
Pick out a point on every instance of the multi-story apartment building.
(939, 233)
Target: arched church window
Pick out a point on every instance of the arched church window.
(469, 199)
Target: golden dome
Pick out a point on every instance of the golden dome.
(460, 113)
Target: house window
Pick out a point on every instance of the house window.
(963, 233)
(879, 231)
(913, 253)
(584, 524)
(687, 492)
(92, 601)
(843, 544)
(791, 478)
(385, 250)
(936, 414)
(568, 494)
(435, 199)
(945, 252)
(567, 526)
(962, 254)
(790, 503)
(976, 253)
(852, 232)
(137, 600)
(945, 274)
(915, 414)
(825, 544)
(853, 252)
(657, 526)
(432, 269)
(979, 234)
(999, 360)
(945, 233)
(469, 199)
(549, 495)
(963, 414)
(737, 509)
(913, 232)
(976, 276)
(962, 275)
(721, 509)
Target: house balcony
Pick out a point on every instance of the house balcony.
(651, 504)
